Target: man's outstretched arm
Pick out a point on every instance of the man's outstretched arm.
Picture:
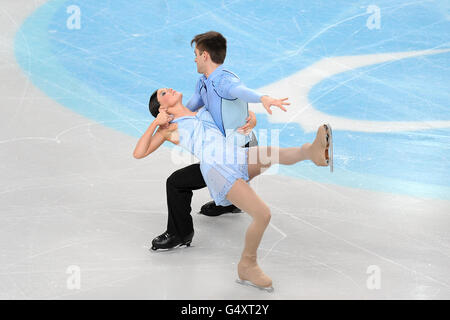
(248, 95)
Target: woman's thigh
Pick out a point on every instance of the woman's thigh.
(246, 199)
(260, 159)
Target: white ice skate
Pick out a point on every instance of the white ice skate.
(330, 146)
(253, 276)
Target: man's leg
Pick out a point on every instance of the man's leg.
(180, 228)
(179, 188)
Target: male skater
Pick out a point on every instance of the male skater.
(226, 98)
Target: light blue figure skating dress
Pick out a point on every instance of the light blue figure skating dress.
(222, 160)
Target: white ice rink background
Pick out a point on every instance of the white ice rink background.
(377, 71)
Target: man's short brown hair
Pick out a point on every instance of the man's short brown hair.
(212, 42)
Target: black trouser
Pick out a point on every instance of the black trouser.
(179, 188)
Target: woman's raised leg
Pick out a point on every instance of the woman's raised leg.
(261, 158)
(245, 198)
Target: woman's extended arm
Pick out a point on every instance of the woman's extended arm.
(149, 142)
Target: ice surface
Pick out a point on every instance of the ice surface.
(72, 197)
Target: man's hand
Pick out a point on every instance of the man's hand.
(251, 123)
(269, 101)
(163, 119)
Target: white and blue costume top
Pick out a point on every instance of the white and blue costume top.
(226, 98)
(222, 162)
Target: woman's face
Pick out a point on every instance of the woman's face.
(168, 98)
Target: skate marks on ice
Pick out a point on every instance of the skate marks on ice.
(298, 86)
(363, 249)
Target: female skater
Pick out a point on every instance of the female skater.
(226, 167)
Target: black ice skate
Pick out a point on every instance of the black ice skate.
(212, 210)
(169, 241)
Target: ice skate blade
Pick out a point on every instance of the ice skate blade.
(154, 249)
(249, 284)
(330, 148)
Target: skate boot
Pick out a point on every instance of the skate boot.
(212, 210)
(250, 274)
(322, 147)
(169, 241)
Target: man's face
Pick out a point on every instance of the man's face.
(200, 60)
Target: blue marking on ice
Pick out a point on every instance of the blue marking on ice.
(124, 50)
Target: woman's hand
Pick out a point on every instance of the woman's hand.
(163, 119)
